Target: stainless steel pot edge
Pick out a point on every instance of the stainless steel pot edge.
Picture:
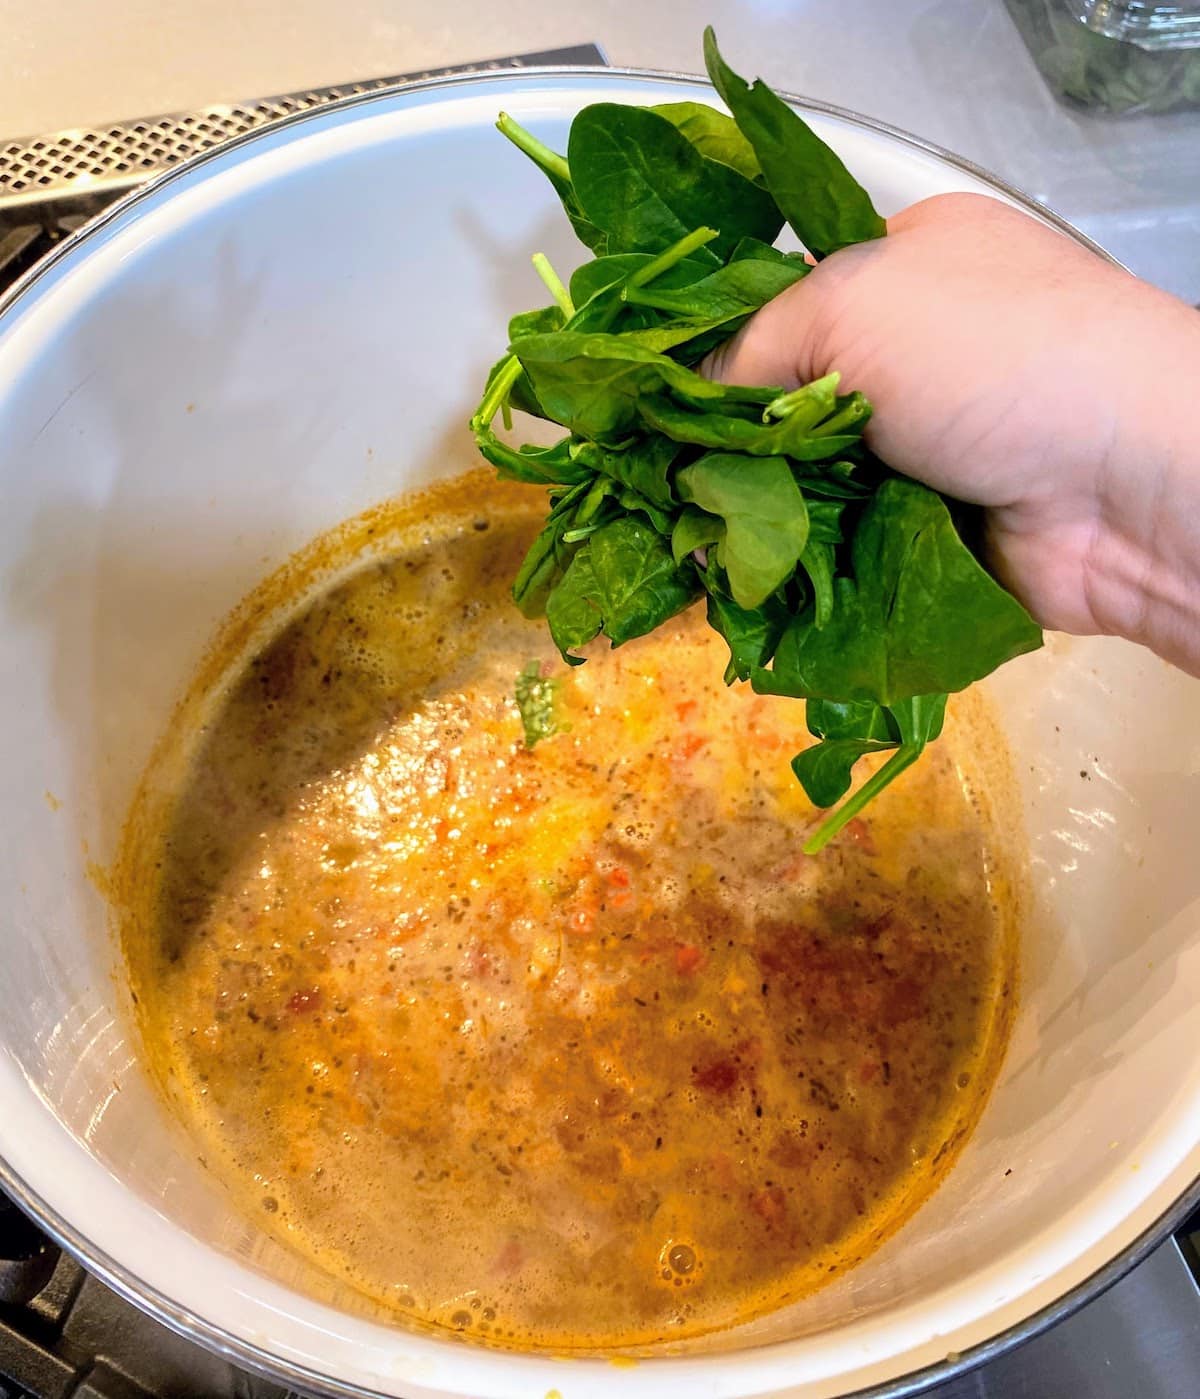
(262, 1362)
(252, 1357)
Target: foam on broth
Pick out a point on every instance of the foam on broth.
(567, 1047)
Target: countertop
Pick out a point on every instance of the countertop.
(952, 71)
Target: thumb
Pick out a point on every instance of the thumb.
(776, 346)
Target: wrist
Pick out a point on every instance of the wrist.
(1142, 569)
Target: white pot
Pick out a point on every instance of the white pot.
(270, 340)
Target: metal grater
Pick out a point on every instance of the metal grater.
(87, 167)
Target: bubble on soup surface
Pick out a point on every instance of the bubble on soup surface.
(682, 1258)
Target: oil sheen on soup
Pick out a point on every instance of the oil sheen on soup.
(567, 1046)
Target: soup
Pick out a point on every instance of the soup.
(566, 1046)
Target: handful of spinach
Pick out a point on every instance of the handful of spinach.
(830, 578)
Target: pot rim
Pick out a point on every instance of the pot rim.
(255, 1358)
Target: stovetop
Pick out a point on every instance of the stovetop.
(64, 1335)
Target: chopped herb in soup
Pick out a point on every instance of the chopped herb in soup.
(565, 1045)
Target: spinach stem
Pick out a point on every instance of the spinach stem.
(855, 412)
(669, 257)
(497, 393)
(537, 151)
(818, 397)
(639, 296)
(903, 757)
(553, 284)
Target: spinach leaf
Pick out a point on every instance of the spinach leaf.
(766, 523)
(750, 633)
(592, 383)
(573, 616)
(791, 437)
(919, 616)
(642, 465)
(919, 719)
(824, 513)
(714, 135)
(755, 249)
(542, 321)
(853, 719)
(826, 770)
(537, 703)
(737, 289)
(645, 184)
(602, 273)
(622, 581)
(552, 466)
(557, 171)
(540, 571)
(681, 335)
(695, 529)
(834, 483)
(817, 562)
(826, 206)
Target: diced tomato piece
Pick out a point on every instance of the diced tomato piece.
(685, 709)
(770, 1204)
(688, 958)
(719, 1077)
(618, 877)
(859, 832)
(622, 898)
(479, 963)
(690, 745)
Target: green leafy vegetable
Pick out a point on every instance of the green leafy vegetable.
(594, 383)
(766, 523)
(642, 181)
(714, 135)
(537, 702)
(915, 615)
(623, 581)
(1088, 65)
(826, 206)
(694, 530)
(750, 633)
(737, 289)
(831, 579)
(794, 436)
(559, 174)
(824, 770)
(614, 271)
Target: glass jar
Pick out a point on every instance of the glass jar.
(1118, 56)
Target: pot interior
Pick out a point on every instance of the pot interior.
(272, 342)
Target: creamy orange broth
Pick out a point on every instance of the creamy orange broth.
(567, 1047)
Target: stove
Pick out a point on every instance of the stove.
(63, 1334)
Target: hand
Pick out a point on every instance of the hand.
(1010, 367)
